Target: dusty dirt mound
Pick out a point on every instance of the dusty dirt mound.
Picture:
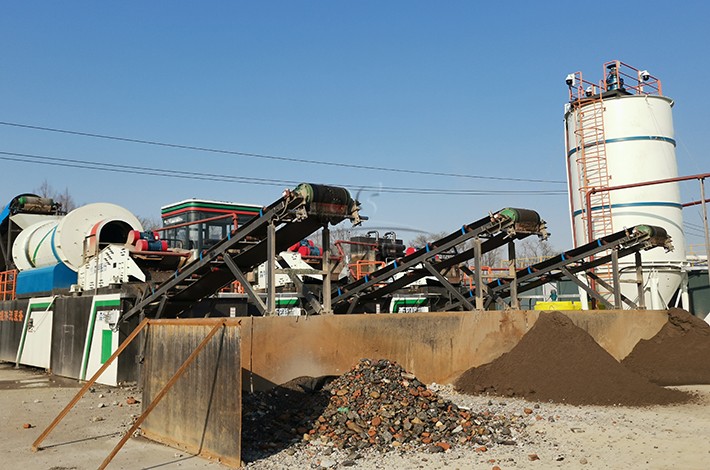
(558, 361)
(678, 355)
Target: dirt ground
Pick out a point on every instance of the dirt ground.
(86, 435)
(561, 436)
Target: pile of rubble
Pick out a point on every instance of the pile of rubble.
(276, 419)
(379, 405)
(375, 406)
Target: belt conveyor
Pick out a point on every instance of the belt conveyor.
(582, 259)
(296, 215)
(488, 233)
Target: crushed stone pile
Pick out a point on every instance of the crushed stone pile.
(558, 361)
(379, 405)
(376, 406)
(276, 419)
(679, 354)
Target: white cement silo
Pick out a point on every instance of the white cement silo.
(634, 143)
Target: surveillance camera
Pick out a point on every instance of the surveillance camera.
(570, 80)
(588, 91)
(645, 76)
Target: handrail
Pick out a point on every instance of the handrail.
(8, 282)
(233, 215)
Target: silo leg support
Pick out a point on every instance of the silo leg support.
(586, 288)
(239, 275)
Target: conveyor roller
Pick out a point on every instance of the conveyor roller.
(327, 203)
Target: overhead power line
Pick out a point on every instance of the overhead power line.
(696, 226)
(690, 230)
(172, 173)
(278, 158)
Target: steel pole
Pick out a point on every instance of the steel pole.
(705, 221)
(615, 274)
(271, 269)
(639, 281)
(512, 273)
(327, 304)
(479, 274)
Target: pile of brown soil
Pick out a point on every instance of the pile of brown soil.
(558, 361)
(678, 355)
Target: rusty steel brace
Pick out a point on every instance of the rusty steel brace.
(94, 378)
(162, 393)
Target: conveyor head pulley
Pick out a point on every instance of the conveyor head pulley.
(330, 204)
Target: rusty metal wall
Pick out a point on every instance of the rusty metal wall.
(202, 412)
(12, 316)
(437, 347)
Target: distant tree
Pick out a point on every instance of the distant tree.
(64, 198)
(336, 233)
(424, 238)
(535, 249)
(494, 258)
(149, 223)
(44, 189)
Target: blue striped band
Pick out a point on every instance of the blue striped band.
(625, 139)
(633, 204)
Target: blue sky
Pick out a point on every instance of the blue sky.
(470, 88)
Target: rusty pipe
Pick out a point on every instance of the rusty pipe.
(588, 195)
